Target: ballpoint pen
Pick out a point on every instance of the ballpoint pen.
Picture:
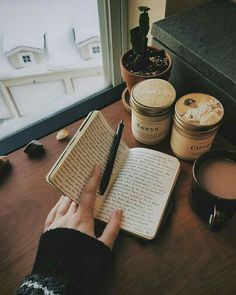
(111, 159)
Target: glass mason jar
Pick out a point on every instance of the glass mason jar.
(196, 120)
(151, 110)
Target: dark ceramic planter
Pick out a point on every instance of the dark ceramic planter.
(213, 209)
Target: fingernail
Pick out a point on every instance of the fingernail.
(97, 168)
(119, 212)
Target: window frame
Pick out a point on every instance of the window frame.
(113, 27)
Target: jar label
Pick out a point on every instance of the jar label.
(199, 109)
(189, 149)
(149, 132)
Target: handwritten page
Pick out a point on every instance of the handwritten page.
(92, 147)
(142, 190)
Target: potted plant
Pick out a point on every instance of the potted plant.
(143, 61)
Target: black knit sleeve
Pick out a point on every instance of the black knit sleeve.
(68, 262)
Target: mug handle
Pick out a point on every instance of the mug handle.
(217, 218)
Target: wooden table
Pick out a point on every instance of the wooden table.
(185, 258)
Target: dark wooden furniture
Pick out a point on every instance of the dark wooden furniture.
(185, 258)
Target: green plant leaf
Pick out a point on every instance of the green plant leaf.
(143, 8)
(138, 35)
(136, 40)
(144, 24)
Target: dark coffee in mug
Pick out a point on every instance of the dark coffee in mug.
(214, 187)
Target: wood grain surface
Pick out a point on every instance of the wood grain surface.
(185, 258)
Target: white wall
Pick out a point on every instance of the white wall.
(157, 12)
(159, 9)
(173, 6)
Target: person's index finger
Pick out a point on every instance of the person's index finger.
(88, 197)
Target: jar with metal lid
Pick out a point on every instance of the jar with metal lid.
(196, 121)
(151, 101)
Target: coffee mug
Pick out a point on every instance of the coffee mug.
(213, 195)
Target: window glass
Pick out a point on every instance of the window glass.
(96, 49)
(4, 112)
(51, 58)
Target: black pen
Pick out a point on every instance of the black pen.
(111, 159)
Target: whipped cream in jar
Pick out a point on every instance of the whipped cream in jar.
(196, 121)
(151, 110)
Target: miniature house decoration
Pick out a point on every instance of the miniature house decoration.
(23, 53)
(89, 47)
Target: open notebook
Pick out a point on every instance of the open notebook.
(141, 183)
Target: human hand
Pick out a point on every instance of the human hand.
(67, 214)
